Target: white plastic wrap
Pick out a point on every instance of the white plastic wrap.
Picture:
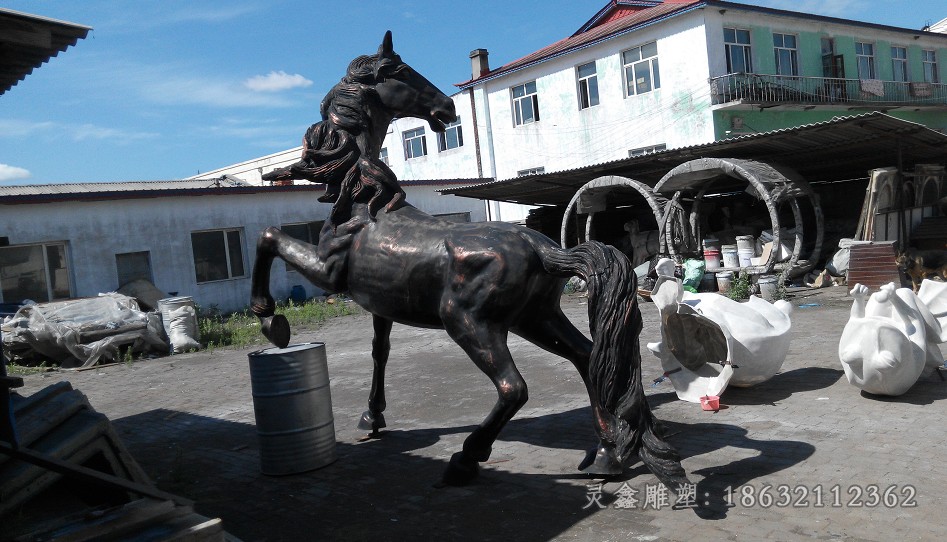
(82, 332)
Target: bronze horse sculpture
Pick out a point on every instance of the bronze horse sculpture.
(477, 281)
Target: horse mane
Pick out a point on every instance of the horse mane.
(330, 151)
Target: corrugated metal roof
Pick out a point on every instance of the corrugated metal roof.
(227, 185)
(28, 41)
(134, 186)
(840, 149)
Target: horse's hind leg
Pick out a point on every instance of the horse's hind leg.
(558, 335)
(487, 348)
(374, 419)
(274, 326)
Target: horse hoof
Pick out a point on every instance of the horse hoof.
(276, 329)
(602, 461)
(372, 423)
(461, 470)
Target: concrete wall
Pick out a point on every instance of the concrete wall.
(95, 231)
(566, 137)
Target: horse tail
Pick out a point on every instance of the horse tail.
(615, 362)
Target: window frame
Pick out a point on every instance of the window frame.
(416, 134)
(746, 49)
(587, 86)
(531, 96)
(650, 149)
(630, 67)
(931, 75)
(899, 64)
(443, 141)
(48, 273)
(539, 170)
(383, 156)
(793, 53)
(865, 59)
(229, 260)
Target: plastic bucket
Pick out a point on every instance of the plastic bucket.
(730, 256)
(767, 286)
(708, 283)
(746, 242)
(293, 408)
(710, 402)
(297, 294)
(723, 280)
(168, 304)
(745, 257)
(711, 258)
(712, 243)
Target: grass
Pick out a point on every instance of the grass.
(739, 287)
(242, 329)
(236, 330)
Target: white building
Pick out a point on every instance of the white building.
(646, 75)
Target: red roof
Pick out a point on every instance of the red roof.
(617, 16)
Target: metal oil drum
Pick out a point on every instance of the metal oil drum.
(293, 408)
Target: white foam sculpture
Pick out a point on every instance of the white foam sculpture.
(709, 341)
(892, 337)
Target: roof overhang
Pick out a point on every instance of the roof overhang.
(841, 149)
(28, 41)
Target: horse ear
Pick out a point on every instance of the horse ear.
(386, 50)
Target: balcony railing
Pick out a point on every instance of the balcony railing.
(780, 89)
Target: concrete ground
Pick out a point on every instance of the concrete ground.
(805, 454)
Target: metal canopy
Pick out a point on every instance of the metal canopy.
(28, 41)
(840, 149)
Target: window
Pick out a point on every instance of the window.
(588, 85)
(646, 150)
(133, 266)
(531, 171)
(641, 69)
(307, 232)
(451, 138)
(415, 145)
(383, 156)
(525, 104)
(737, 43)
(787, 61)
(455, 217)
(37, 272)
(899, 63)
(929, 61)
(865, 55)
(218, 255)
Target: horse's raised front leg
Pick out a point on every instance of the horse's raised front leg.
(323, 265)
(486, 346)
(374, 418)
(275, 327)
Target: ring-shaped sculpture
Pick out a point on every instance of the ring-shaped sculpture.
(478, 281)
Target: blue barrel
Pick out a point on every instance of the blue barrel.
(293, 408)
(297, 294)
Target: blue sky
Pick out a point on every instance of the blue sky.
(165, 89)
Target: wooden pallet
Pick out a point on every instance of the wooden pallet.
(873, 264)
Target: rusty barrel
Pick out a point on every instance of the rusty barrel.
(293, 408)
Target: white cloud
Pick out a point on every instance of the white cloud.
(276, 81)
(13, 173)
(836, 8)
(22, 128)
(81, 132)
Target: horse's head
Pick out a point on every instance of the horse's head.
(406, 93)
